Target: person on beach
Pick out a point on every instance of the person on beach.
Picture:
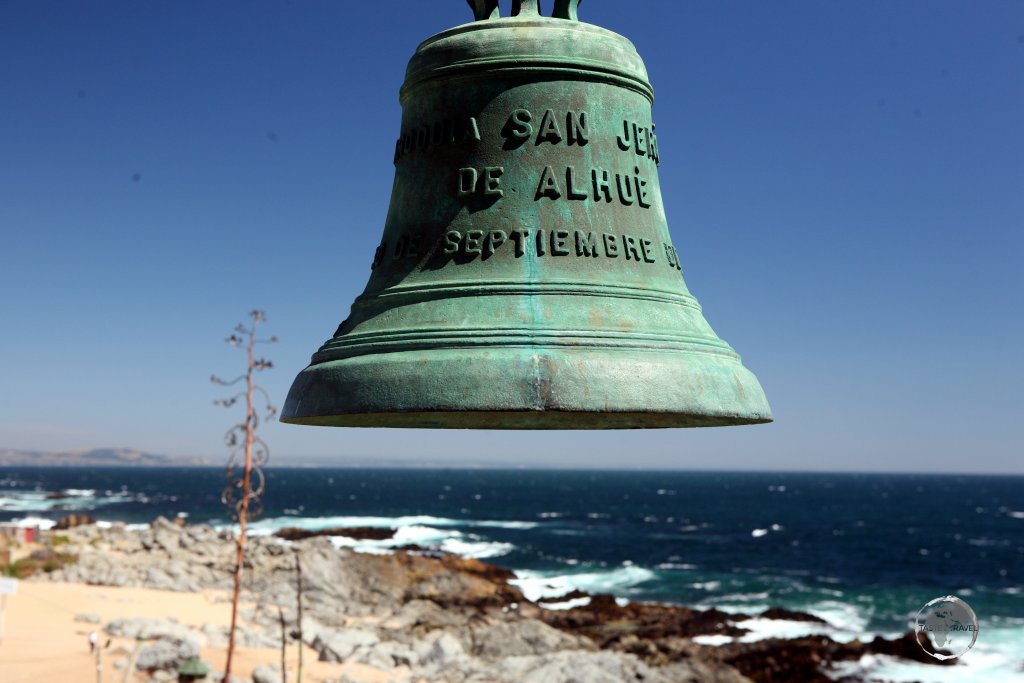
(92, 642)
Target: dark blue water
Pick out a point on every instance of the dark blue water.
(866, 551)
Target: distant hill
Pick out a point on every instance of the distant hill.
(96, 457)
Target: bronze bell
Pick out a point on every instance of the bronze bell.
(526, 278)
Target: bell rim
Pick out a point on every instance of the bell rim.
(526, 420)
(527, 388)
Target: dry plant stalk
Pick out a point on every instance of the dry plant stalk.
(242, 492)
(298, 598)
(284, 645)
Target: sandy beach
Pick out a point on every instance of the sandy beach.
(43, 642)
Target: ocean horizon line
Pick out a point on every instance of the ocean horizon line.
(500, 467)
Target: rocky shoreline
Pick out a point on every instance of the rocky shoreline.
(422, 615)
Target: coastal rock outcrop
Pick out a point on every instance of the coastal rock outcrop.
(143, 629)
(427, 615)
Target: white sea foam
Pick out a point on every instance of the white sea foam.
(368, 546)
(995, 658)
(27, 502)
(497, 524)
(758, 533)
(42, 501)
(28, 522)
(748, 603)
(272, 524)
(476, 549)
(761, 629)
(80, 493)
(713, 640)
(567, 604)
(421, 530)
(536, 585)
(845, 622)
(844, 616)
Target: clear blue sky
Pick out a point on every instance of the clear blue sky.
(844, 181)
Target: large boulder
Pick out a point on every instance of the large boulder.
(337, 646)
(496, 639)
(163, 534)
(418, 617)
(443, 652)
(152, 628)
(385, 655)
(266, 674)
(166, 653)
(590, 667)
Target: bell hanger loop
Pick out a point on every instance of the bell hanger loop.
(486, 10)
(566, 9)
(525, 8)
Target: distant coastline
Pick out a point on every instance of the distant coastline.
(96, 457)
(131, 457)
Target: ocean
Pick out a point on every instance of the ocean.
(863, 551)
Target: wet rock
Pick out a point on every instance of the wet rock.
(906, 646)
(571, 595)
(808, 659)
(361, 533)
(88, 618)
(605, 621)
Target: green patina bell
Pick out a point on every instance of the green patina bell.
(526, 278)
